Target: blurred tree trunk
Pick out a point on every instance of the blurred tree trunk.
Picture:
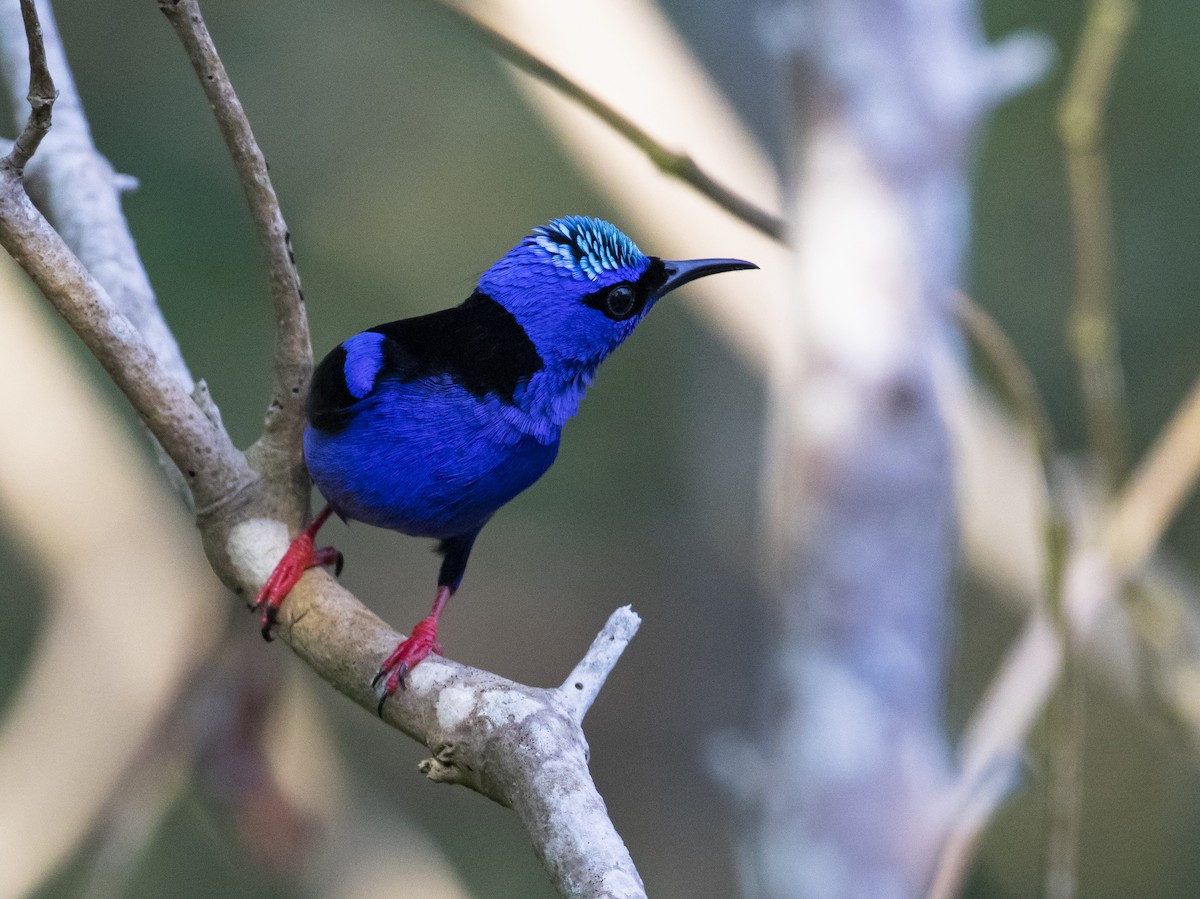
(856, 767)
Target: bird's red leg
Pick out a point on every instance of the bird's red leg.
(299, 557)
(420, 643)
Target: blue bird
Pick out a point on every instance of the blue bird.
(430, 424)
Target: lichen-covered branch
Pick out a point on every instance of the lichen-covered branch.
(521, 746)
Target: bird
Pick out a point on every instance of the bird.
(429, 425)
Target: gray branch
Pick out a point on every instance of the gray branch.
(79, 192)
(293, 352)
(521, 746)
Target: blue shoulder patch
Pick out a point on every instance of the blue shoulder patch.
(586, 246)
(364, 358)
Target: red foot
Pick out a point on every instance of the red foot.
(409, 654)
(300, 556)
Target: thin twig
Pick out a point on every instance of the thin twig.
(210, 463)
(293, 351)
(42, 93)
(77, 189)
(1093, 326)
(1156, 490)
(583, 684)
(994, 744)
(1020, 388)
(1095, 343)
(1067, 719)
(671, 162)
(1016, 380)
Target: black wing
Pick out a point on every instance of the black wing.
(479, 344)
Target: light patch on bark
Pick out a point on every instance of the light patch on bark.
(454, 704)
(507, 706)
(255, 547)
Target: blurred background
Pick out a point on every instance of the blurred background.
(406, 162)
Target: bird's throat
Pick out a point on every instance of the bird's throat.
(550, 398)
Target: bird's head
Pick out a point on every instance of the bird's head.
(579, 287)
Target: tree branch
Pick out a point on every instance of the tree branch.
(293, 351)
(1093, 332)
(1156, 490)
(212, 466)
(518, 745)
(41, 97)
(71, 478)
(671, 162)
(80, 194)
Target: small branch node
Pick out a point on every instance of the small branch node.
(207, 405)
(42, 93)
(1016, 63)
(125, 184)
(442, 767)
(583, 684)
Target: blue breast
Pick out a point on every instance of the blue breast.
(426, 458)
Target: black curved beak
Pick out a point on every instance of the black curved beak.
(681, 271)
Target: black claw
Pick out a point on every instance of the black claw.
(268, 619)
(339, 564)
(384, 694)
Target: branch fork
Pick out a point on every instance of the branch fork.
(521, 746)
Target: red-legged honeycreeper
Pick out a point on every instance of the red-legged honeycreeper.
(428, 425)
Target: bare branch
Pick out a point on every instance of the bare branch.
(1093, 325)
(521, 746)
(1156, 490)
(79, 192)
(994, 746)
(583, 684)
(293, 351)
(671, 162)
(1016, 380)
(42, 93)
(211, 465)
(71, 479)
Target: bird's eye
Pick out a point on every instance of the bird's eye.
(620, 302)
